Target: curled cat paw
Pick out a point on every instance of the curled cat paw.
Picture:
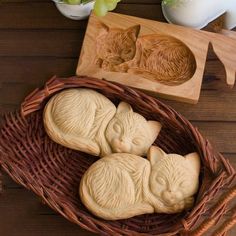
(189, 202)
(99, 62)
(122, 68)
(107, 66)
(179, 206)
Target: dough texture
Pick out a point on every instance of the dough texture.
(85, 120)
(123, 185)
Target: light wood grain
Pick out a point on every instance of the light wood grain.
(224, 47)
(228, 33)
(197, 41)
(189, 91)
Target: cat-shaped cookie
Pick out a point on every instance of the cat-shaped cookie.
(85, 120)
(122, 185)
(158, 57)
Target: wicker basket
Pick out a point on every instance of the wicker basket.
(53, 172)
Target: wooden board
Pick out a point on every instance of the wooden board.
(138, 73)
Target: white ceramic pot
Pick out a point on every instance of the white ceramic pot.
(198, 13)
(75, 11)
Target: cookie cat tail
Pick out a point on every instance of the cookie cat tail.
(100, 188)
(89, 202)
(65, 139)
(108, 191)
(114, 213)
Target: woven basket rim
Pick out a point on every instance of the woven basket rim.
(217, 164)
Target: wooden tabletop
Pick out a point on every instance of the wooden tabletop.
(36, 42)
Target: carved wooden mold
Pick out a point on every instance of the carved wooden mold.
(156, 57)
(162, 59)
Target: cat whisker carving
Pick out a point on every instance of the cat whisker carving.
(120, 186)
(85, 120)
(157, 57)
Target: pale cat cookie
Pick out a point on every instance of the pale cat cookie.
(85, 120)
(122, 185)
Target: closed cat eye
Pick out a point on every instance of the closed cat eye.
(128, 51)
(160, 180)
(137, 141)
(184, 184)
(117, 128)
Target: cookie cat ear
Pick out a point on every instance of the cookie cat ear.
(133, 32)
(155, 154)
(195, 161)
(124, 107)
(155, 128)
(104, 29)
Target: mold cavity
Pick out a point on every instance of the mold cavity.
(157, 57)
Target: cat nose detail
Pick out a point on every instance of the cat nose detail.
(121, 145)
(169, 195)
(124, 144)
(123, 140)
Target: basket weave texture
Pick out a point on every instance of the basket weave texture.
(53, 172)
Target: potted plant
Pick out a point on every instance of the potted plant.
(80, 9)
(75, 9)
(198, 13)
(191, 13)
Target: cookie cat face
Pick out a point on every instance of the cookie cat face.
(129, 132)
(116, 45)
(173, 178)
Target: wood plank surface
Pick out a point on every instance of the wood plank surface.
(36, 42)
